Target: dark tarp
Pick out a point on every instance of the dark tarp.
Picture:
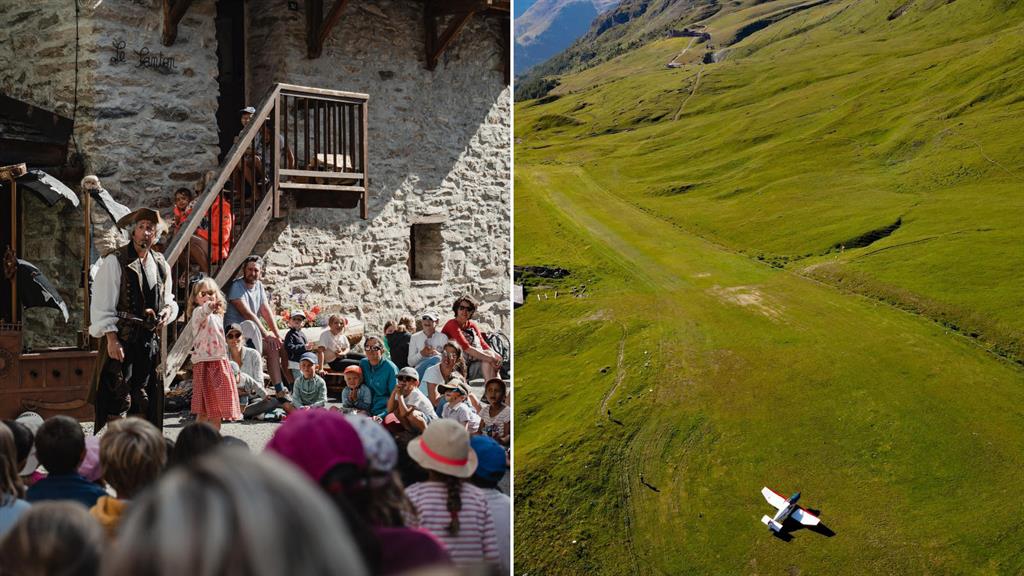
(35, 290)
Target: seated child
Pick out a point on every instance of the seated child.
(356, 396)
(408, 405)
(457, 408)
(252, 396)
(495, 416)
(310, 390)
(60, 447)
(295, 343)
(133, 455)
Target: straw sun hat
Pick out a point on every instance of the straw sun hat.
(444, 447)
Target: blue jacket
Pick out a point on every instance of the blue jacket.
(65, 487)
(381, 380)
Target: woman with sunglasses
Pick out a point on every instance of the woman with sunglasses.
(379, 374)
(481, 361)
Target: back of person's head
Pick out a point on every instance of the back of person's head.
(233, 513)
(407, 324)
(193, 441)
(491, 461)
(23, 439)
(50, 539)
(133, 455)
(60, 445)
(11, 486)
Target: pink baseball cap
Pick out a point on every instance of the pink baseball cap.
(317, 440)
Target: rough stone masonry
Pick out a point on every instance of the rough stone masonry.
(438, 140)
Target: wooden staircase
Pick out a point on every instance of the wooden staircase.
(326, 133)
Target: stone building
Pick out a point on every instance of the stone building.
(149, 118)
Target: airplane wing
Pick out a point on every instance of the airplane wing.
(804, 517)
(774, 498)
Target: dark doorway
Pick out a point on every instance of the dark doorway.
(231, 71)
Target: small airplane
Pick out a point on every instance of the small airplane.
(787, 509)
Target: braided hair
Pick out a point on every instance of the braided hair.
(454, 502)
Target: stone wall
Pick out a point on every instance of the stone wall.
(143, 130)
(439, 140)
(439, 152)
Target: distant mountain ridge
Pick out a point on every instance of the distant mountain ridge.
(626, 26)
(550, 26)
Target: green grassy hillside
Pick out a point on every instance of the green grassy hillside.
(802, 269)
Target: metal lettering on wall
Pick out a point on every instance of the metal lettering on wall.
(119, 55)
(158, 62)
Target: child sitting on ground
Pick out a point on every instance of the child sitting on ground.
(408, 405)
(457, 408)
(295, 342)
(495, 416)
(133, 455)
(60, 447)
(214, 395)
(356, 396)
(310, 390)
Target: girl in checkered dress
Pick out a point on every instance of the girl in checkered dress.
(214, 393)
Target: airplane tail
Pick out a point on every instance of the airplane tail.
(767, 521)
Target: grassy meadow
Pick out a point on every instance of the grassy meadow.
(801, 268)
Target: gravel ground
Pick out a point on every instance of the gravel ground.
(255, 433)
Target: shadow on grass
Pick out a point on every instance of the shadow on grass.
(790, 526)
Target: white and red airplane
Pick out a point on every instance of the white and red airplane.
(787, 508)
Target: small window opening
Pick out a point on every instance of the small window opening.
(425, 260)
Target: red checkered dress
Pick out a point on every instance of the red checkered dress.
(213, 391)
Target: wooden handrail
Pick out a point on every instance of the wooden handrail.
(206, 199)
(322, 138)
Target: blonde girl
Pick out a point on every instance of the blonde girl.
(214, 395)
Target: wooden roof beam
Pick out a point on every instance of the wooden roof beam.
(174, 10)
(319, 28)
(437, 45)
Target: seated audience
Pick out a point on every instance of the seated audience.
(379, 374)
(496, 416)
(356, 396)
(408, 405)
(24, 445)
(250, 307)
(425, 346)
(193, 441)
(398, 341)
(328, 448)
(60, 446)
(491, 466)
(53, 539)
(30, 422)
(12, 491)
(451, 364)
(310, 390)
(333, 346)
(454, 511)
(480, 359)
(133, 456)
(248, 359)
(235, 513)
(295, 343)
(457, 406)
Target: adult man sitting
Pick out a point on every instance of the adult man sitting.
(425, 345)
(132, 298)
(249, 303)
(480, 359)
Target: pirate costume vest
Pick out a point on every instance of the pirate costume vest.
(133, 386)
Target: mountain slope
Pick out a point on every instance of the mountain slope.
(746, 235)
(550, 26)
